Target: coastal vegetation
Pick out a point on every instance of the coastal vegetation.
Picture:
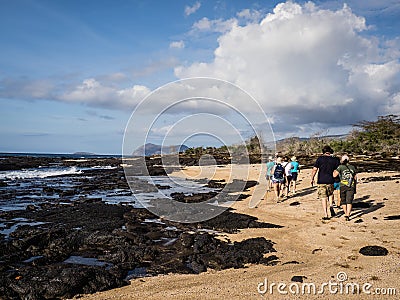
(368, 137)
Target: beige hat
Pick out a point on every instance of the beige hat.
(293, 158)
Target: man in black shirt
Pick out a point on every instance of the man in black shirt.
(325, 165)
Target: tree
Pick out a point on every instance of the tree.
(382, 135)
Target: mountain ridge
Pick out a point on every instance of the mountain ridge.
(149, 149)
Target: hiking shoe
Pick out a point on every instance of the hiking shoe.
(333, 213)
(325, 218)
(347, 218)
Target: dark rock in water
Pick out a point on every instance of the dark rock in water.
(194, 198)
(30, 207)
(216, 184)
(295, 203)
(359, 221)
(373, 251)
(163, 187)
(298, 278)
(396, 217)
(361, 205)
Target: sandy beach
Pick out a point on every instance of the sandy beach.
(317, 251)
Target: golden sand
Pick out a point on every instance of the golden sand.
(306, 246)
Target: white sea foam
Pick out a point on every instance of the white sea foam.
(43, 172)
(39, 173)
(103, 167)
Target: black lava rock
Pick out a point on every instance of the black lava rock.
(374, 251)
(298, 278)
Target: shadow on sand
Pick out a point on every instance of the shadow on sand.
(362, 207)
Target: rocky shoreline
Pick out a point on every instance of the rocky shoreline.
(69, 243)
(90, 246)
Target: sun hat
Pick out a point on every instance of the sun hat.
(293, 158)
(344, 158)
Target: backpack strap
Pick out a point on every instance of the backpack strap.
(352, 174)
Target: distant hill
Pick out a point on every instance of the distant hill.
(325, 137)
(84, 153)
(153, 149)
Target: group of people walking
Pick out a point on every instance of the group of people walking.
(282, 175)
(333, 173)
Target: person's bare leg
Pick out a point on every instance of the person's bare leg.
(331, 199)
(348, 209)
(344, 206)
(277, 190)
(324, 202)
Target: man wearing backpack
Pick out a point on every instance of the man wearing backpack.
(325, 165)
(348, 180)
(278, 177)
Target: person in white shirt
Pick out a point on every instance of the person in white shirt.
(288, 174)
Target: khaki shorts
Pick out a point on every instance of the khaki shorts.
(325, 190)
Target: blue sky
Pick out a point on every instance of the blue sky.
(72, 72)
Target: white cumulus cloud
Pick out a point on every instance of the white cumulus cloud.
(306, 65)
(92, 92)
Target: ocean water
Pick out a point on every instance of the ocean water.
(27, 187)
(58, 155)
(22, 188)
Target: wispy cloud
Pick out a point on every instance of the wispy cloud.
(25, 88)
(35, 134)
(192, 9)
(177, 45)
(154, 67)
(219, 25)
(250, 15)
